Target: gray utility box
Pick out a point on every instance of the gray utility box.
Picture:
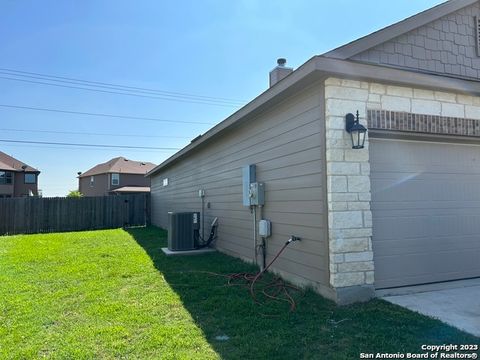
(181, 230)
(249, 176)
(253, 192)
(264, 228)
(257, 194)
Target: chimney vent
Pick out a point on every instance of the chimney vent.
(279, 72)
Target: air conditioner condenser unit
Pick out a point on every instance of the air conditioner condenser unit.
(183, 230)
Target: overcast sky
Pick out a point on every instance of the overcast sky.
(218, 51)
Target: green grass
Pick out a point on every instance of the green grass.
(113, 295)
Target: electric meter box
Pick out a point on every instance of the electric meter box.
(249, 176)
(264, 228)
(257, 194)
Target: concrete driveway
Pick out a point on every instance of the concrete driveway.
(455, 303)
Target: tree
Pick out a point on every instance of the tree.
(74, 194)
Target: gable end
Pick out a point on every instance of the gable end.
(446, 46)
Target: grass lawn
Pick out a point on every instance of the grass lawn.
(113, 294)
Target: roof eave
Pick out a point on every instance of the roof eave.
(86, 174)
(395, 76)
(253, 107)
(21, 170)
(321, 67)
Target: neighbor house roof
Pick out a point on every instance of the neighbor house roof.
(378, 37)
(120, 165)
(130, 189)
(335, 63)
(9, 163)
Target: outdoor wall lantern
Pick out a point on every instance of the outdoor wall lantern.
(356, 130)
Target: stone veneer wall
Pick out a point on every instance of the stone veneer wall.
(348, 170)
(348, 187)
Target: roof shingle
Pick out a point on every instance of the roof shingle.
(9, 163)
(120, 165)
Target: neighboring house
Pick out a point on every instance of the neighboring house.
(404, 210)
(115, 177)
(17, 178)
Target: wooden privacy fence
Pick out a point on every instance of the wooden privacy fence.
(31, 215)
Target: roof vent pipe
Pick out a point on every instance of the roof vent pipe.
(280, 71)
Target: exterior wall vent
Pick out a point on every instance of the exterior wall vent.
(196, 138)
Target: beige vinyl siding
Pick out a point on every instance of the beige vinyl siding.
(286, 145)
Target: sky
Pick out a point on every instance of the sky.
(192, 63)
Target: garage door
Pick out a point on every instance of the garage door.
(426, 211)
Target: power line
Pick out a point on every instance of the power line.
(121, 93)
(88, 145)
(181, 98)
(83, 149)
(127, 88)
(122, 86)
(114, 92)
(103, 115)
(95, 134)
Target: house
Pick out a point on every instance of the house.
(403, 210)
(17, 178)
(115, 177)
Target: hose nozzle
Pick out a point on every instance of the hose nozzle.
(292, 239)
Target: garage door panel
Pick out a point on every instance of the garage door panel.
(408, 226)
(414, 187)
(433, 170)
(430, 226)
(426, 211)
(414, 270)
(454, 158)
(427, 247)
(466, 205)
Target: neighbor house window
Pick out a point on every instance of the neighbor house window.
(30, 178)
(165, 182)
(92, 180)
(115, 179)
(5, 177)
